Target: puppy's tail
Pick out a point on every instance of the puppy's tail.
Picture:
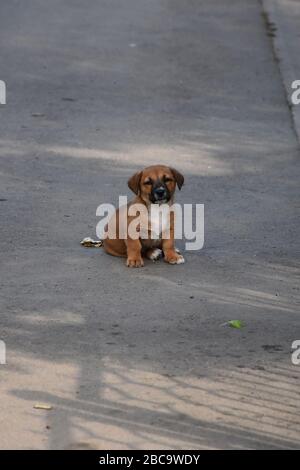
(90, 243)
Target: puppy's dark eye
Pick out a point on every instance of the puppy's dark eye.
(167, 180)
(148, 182)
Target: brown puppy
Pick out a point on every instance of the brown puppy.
(153, 185)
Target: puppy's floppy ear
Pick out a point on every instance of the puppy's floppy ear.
(134, 182)
(179, 178)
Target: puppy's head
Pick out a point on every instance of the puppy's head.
(156, 184)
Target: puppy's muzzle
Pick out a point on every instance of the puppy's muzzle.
(160, 194)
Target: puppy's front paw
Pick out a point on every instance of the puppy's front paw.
(174, 258)
(135, 262)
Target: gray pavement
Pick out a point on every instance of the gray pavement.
(283, 20)
(141, 358)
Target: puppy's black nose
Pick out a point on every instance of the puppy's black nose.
(160, 193)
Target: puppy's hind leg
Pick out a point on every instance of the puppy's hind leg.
(154, 254)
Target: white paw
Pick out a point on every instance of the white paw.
(180, 260)
(156, 254)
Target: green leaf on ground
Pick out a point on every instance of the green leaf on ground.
(236, 324)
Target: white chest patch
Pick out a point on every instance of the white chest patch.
(159, 220)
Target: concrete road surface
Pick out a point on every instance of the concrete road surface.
(141, 358)
(283, 19)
